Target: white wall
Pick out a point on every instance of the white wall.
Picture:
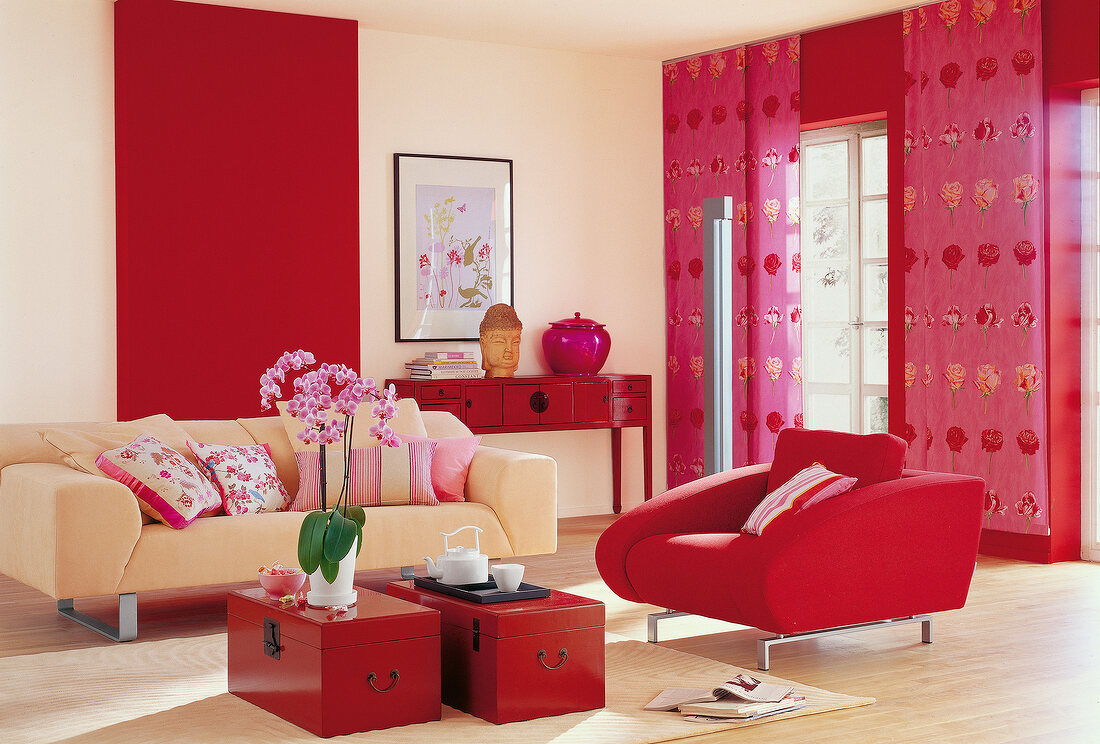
(584, 132)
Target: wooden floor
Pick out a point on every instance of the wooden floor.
(1020, 663)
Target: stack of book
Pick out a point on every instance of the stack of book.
(445, 365)
(742, 698)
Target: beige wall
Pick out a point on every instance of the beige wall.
(583, 130)
(57, 219)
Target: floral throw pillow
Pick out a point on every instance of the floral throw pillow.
(167, 486)
(245, 475)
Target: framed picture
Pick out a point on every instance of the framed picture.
(453, 244)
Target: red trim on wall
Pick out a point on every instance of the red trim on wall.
(237, 201)
(868, 87)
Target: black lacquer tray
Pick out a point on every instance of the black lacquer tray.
(483, 593)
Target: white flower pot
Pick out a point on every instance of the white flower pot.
(339, 592)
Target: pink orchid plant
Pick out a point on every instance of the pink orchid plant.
(326, 536)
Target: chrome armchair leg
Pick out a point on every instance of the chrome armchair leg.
(407, 573)
(127, 618)
(763, 646)
(652, 618)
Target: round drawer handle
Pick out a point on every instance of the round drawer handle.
(440, 392)
(563, 654)
(630, 409)
(469, 402)
(539, 402)
(394, 675)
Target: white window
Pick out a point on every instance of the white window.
(844, 286)
(1090, 315)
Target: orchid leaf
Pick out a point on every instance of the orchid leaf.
(358, 514)
(359, 534)
(338, 537)
(329, 570)
(311, 541)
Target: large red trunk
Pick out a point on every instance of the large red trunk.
(513, 661)
(312, 667)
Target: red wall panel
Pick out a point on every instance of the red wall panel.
(865, 87)
(237, 201)
(1071, 61)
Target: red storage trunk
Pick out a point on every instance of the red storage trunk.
(513, 661)
(374, 667)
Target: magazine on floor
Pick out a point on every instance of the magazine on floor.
(742, 688)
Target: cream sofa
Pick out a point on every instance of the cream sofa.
(71, 535)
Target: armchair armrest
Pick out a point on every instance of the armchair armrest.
(522, 488)
(718, 503)
(63, 532)
(893, 549)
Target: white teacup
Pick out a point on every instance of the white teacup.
(508, 576)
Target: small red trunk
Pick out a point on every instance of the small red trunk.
(313, 667)
(513, 661)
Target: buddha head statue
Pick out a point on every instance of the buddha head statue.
(500, 331)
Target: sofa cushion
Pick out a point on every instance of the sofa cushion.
(450, 465)
(245, 476)
(221, 549)
(807, 487)
(168, 487)
(407, 421)
(871, 458)
(378, 476)
(81, 445)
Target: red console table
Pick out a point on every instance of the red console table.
(503, 405)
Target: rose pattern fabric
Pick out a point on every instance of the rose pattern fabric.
(743, 130)
(974, 200)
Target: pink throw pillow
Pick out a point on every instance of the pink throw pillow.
(167, 486)
(379, 476)
(245, 475)
(807, 487)
(451, 464)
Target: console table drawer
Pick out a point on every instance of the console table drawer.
(626, 387)
(629, 409)
(454, 408)
(449, 391)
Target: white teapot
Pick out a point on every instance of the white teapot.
(460, 565)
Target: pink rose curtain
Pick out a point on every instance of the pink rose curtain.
(974, 225)
(731, 129)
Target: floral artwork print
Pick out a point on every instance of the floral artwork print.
(982, 217)
(731, 126)
(455, 247)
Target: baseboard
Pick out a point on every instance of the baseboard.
(1032, 548)
(583, 510)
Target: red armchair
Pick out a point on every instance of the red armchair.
(899, 545)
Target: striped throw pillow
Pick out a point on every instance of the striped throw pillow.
(379, 476)
(809, 486)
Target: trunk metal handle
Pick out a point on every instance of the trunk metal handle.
(563, 654)
(394, 675)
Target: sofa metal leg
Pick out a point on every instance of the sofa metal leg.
(652, 618)
(763, 646)
(127, 618)
(407, 573)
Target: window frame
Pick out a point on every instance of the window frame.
(859, 327)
